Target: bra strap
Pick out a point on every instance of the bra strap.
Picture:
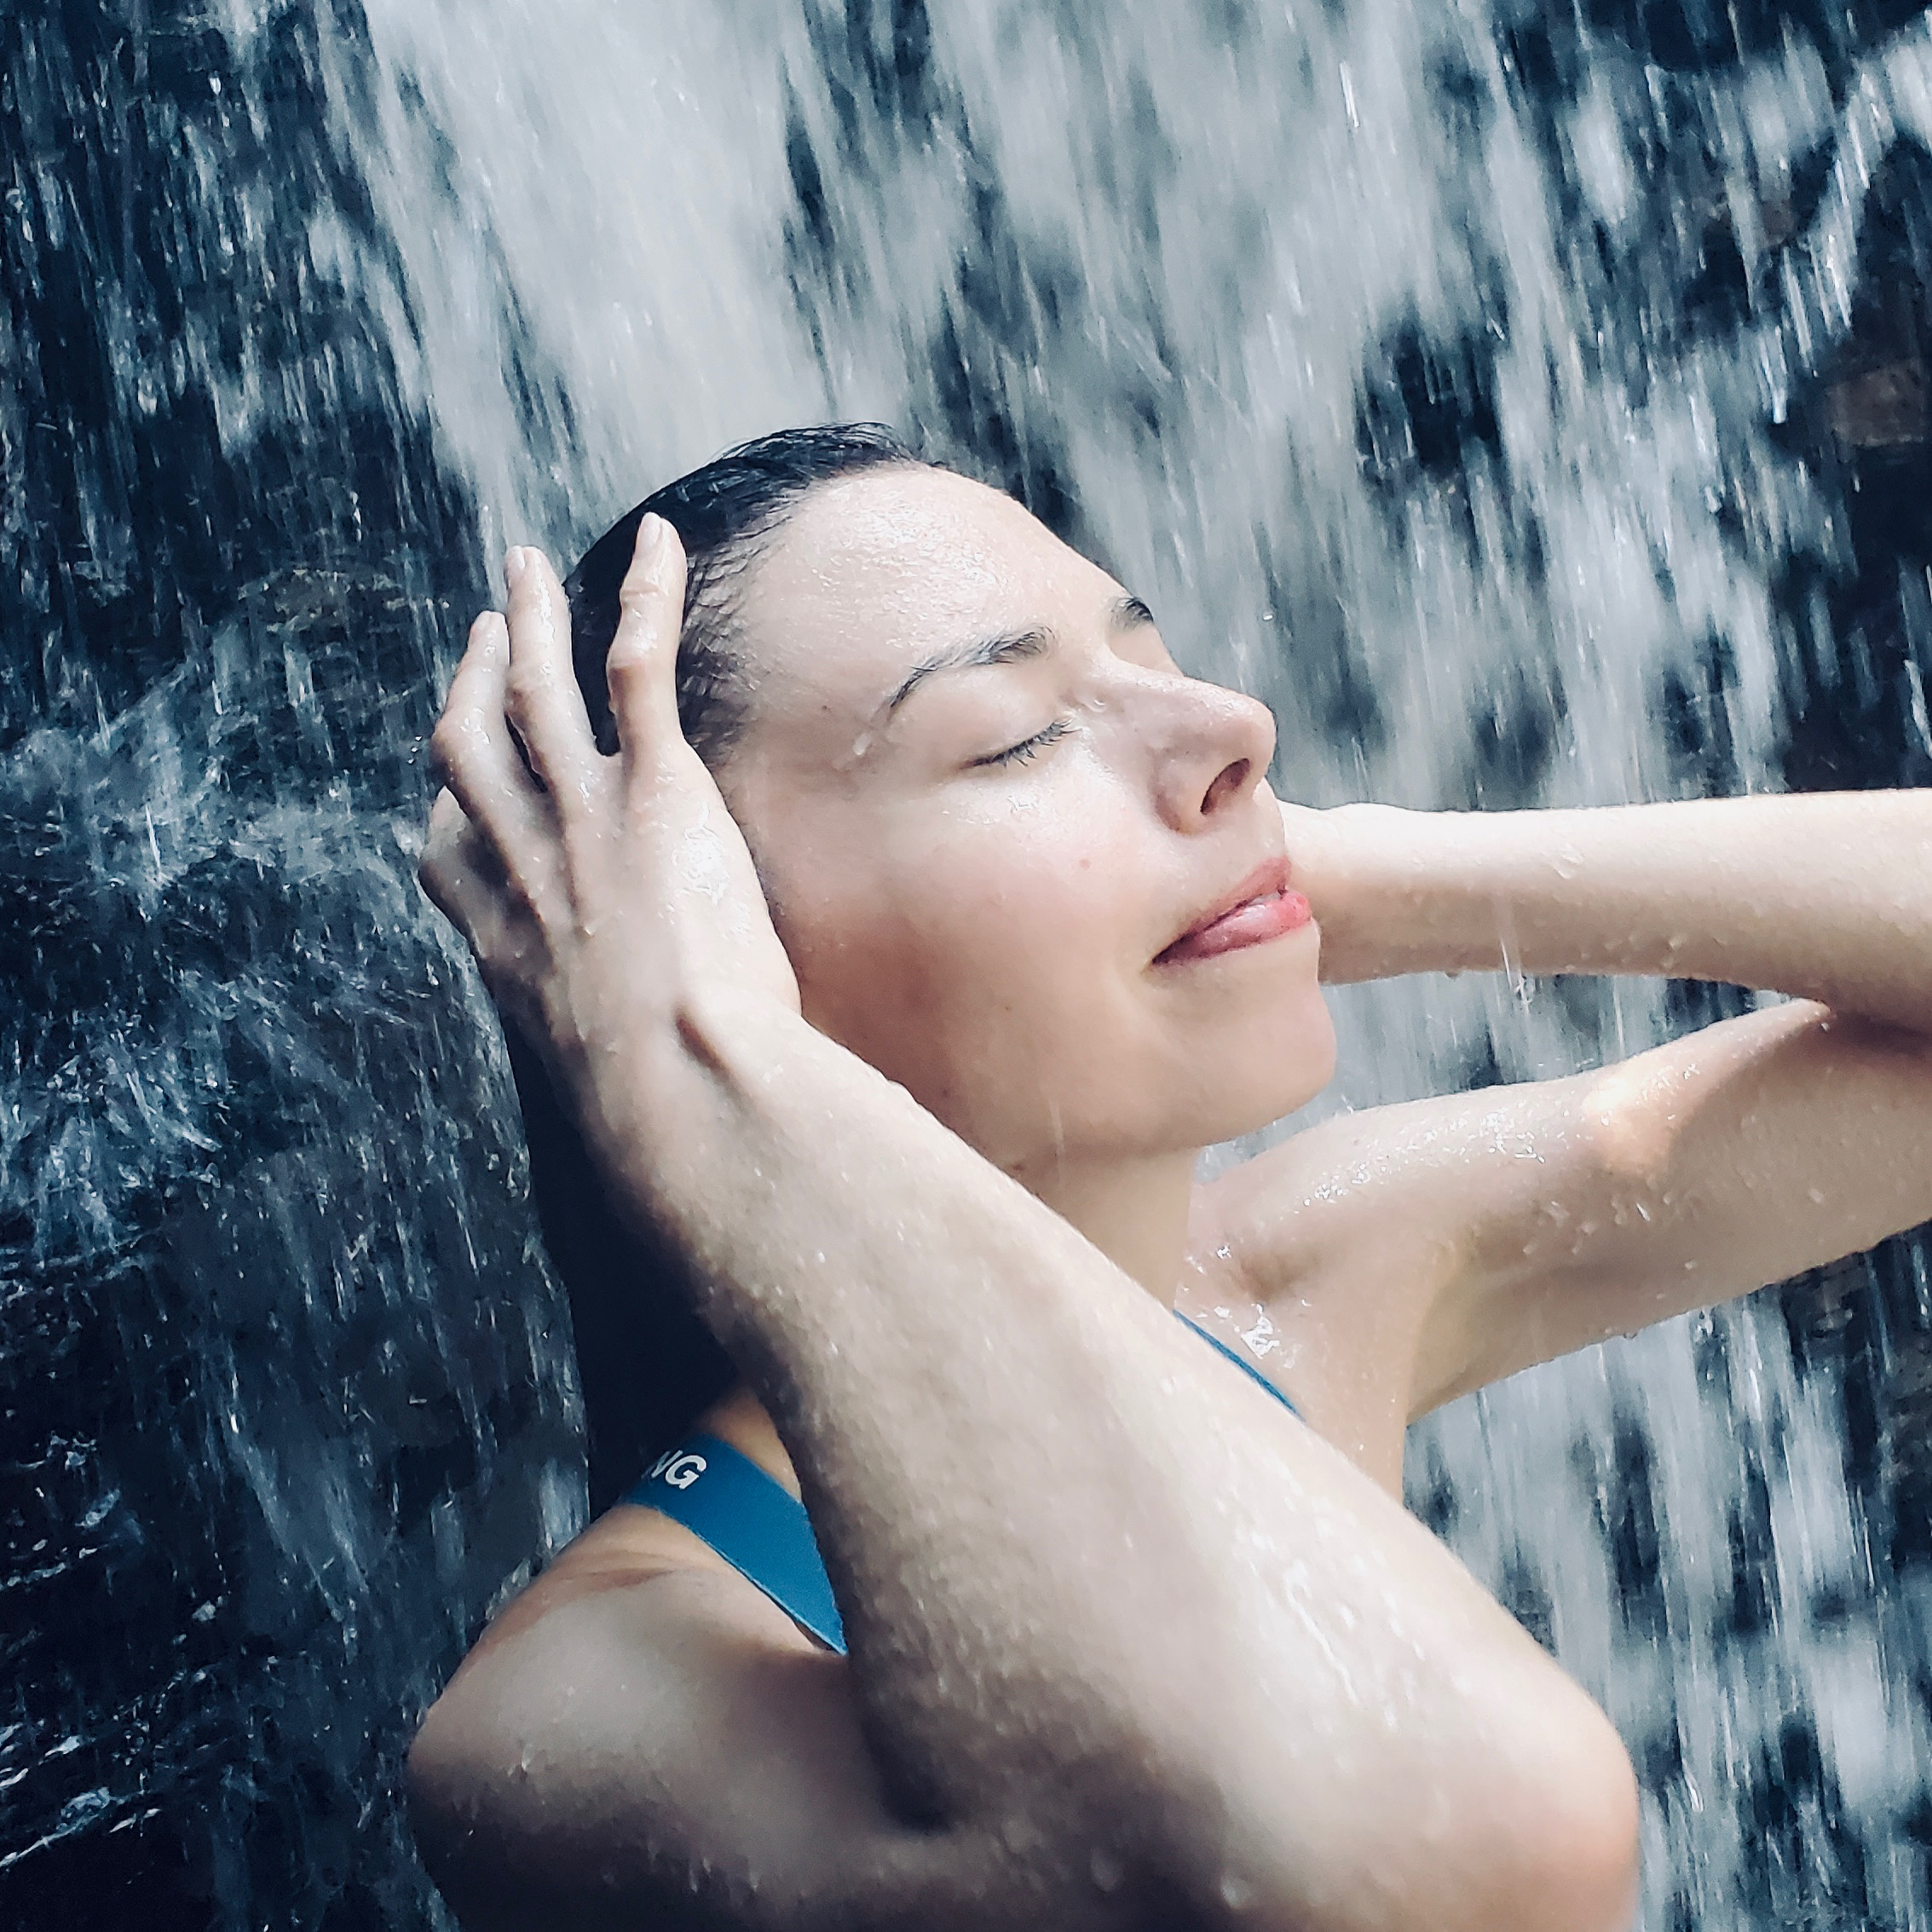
(1240, 1362)
(754, 1522)
(761, 1529)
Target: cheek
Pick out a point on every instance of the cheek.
(1033, 899)
(992, 960)
(973, 947)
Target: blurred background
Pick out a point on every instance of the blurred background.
(1529, 400)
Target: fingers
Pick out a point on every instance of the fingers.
(459, 874)
(463, 880)
(543, 702)
(643, 665)
(479, 760)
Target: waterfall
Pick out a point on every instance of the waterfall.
(1530, 401)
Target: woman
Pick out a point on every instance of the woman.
(894, 1024)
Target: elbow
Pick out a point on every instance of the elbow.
(1534, 1830)
(1588, 1875)
(1528, 1824)
(1565, 1840)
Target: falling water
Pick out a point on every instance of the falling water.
(1530, 401)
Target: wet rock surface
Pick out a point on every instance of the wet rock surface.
(268, 1312)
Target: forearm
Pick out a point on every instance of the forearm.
(1085, 1573)
(1826, 897)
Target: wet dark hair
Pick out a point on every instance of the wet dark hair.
(647, 1366)
(723, 513)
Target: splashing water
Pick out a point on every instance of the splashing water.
(1529, 403)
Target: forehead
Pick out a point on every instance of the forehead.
(872, 574)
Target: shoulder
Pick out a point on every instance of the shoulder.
(1355, 1235)
(1427, 1249)
(1383, 1202)
(622, 1549)
(639, 1728)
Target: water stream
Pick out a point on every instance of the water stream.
(1531, 402)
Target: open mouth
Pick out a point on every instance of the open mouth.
(1262, 908)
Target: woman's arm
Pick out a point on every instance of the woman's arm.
(1827, 897)
(1105, 1605)
(634, 1745)
(1544, 1217)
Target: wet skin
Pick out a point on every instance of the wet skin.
(984, 807)
(976, 886)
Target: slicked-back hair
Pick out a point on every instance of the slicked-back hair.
(723, 513)
(647, 1365)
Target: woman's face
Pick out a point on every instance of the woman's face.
(986, 806)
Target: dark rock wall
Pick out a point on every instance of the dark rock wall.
(268, 1310)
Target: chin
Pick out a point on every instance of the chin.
(1265, 1071)
(1233, 1122)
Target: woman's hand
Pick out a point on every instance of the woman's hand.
(1350, 862)
(600, 896)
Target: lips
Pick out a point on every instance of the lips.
(1261, 908)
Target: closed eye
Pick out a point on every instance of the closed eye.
(1028, 749)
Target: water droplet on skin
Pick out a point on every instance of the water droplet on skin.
(1020, 1836)
(1237, 1894)
(1262, 1338)
(1106, 1869)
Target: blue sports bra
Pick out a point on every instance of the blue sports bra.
(761, 1529)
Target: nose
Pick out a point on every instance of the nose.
(1218, 745)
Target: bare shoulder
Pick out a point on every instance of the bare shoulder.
(1359, 1238)
(645, 1739)
(1367, 1213)
(1332, 1251)
(636, 1735)
(1429, 1247)
(622, 1549)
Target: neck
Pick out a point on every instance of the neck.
(1134, 1212)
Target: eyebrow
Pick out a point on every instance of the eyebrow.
(1009, 647)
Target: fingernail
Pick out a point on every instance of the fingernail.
(650, 536)
(515, 563)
